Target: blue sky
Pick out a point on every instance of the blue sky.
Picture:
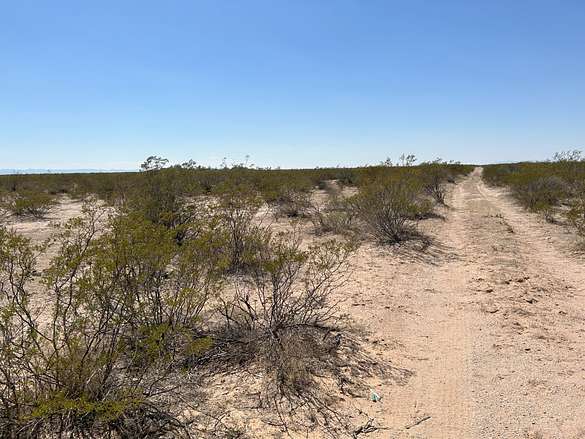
(291, 83)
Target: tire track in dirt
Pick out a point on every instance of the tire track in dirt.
(533, 372)
(493, 328)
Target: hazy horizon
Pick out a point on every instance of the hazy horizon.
(292, 84)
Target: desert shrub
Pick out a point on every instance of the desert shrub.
(541, 183)
(189, 179)
(164, 286)
(542, 192)
(391, 208)
(331, 187)
(576, 214)
(36, 204)
(543, 187)
(434, 177)
(283, 309)
(235, 210)
(161, 197)
(125, 306)
(336, 216)
(292, 204)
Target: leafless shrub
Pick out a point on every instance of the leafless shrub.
(281, 310)
(283, 320)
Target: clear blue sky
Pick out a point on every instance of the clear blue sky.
(296, 83)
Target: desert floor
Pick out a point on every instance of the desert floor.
(483, 331)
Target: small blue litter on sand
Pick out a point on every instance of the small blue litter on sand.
(374, 396)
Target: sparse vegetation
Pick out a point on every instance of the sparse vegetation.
(172, 272)
(35, 204)
(554, 188)
(336, 216)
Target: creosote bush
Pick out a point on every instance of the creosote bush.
(130, 295)
(94, 362)
(542, 193)
(235, 210)
(337, 216)
(283, 310)
(391, 208)
(576, 214)
(162, 197)
(434, 176)
(36, 204)
(553, 188)
(293, 204)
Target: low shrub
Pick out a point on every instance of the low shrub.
(337, 216)
(545, 186)
(391, 208)
(126, 304)
(576, 214)
(293, 204)
(36, 204)
(161, 197)
(542, 193)
(234, 211)
(282, 311)
(434, 176)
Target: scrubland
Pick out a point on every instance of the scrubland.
(383, 301)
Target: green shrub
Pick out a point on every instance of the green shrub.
(293, 204)
(576, 214)
(36, 204)
(390, 209)
(160, 196)
(434, 176)
(126, 304)
(542, 193)
(544, 187)
(337, 216)
(235, 210)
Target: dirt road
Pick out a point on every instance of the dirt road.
(490, 325)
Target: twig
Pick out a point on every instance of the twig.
(367, 428)
(420, 421)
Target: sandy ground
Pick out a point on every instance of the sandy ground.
(490, 321)
(483, 332)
